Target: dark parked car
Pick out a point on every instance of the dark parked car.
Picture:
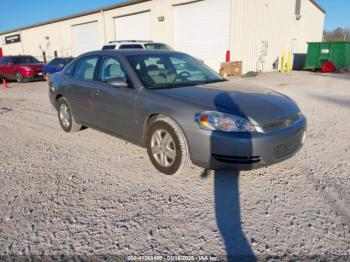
(178, 108)
(21, 68)
(56, 65)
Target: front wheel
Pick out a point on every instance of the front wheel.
(167, 147)
(19, 77)
(66, 117)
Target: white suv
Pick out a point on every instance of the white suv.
(134, 44)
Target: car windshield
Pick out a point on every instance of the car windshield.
(24, 60)
(171, 70)
(157, 46)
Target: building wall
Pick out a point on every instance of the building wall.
(310, 27)
(33, 40)
(274, 22)
(252, 22)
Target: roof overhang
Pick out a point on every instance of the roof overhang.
(318, 6)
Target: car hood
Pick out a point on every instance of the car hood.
(254, 103)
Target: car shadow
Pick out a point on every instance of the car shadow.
(228, 216)
(226, 193)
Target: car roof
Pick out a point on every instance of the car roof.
(127, 52)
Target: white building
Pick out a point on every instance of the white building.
(256, 32)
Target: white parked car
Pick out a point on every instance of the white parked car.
(134, 44)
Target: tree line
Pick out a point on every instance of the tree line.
(339, 34)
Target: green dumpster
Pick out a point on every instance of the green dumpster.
(320, 52)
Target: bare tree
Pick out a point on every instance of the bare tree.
(339, 34)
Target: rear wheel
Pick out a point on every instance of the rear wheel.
(167, 147)
(66, 117)
(19, 77)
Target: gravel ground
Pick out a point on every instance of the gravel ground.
(88, 193)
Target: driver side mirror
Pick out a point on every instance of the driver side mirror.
(118, 83)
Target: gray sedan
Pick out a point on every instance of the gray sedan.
(178, 108)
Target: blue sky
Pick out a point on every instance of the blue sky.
(29, 12)
(26, 12)
(338, 13)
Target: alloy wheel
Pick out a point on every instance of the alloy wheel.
(163, 148)
(18, 77)
(65, 115)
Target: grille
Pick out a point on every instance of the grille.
(237, 159)
(286, 122)
(285, 149)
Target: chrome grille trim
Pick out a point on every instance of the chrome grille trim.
(283, 123)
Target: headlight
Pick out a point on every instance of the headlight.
(212, 120)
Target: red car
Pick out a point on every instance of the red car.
(21, 68)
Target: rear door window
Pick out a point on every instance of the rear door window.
(111, 69)
(133, 46)
(157, 46)
(106, 47)
(70, 70)
(85, 68)
(25, 60)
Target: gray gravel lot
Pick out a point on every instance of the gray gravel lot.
(90, 193)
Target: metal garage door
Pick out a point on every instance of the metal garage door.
(86, 38)
(202, 29)
(133, 27)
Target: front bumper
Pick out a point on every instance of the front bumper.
(244, 151)
(33, 75)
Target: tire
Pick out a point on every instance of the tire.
(65, 116)
(168, 158)
(19, 77)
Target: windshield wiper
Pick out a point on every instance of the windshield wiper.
(172, 85)
(209, 81)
